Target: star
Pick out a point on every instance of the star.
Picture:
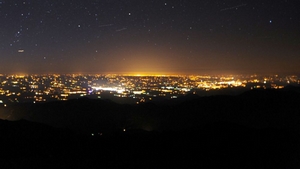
(115, 30)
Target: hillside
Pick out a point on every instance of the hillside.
(257, 129)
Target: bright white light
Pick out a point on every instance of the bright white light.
(118, 90)
(138, 92)
(185, 89)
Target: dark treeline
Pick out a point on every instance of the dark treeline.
(256, 129)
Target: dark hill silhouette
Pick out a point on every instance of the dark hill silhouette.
(215, 145)
(293, 88)
(255, 108)
(256, 129)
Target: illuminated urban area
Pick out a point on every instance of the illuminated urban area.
(127, 88)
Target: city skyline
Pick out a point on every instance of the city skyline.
(150, 37)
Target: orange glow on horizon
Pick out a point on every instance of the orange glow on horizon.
(141, 74)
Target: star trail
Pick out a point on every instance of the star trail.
(149, 36)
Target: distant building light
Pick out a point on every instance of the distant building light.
(138, 92)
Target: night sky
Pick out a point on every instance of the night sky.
(149, 36)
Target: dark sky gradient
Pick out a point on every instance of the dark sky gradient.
(149, 36)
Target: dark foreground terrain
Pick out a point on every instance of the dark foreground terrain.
(257, 129)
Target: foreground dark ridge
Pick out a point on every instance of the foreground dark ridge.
(255, 108)
(257, 129)
(217, 145)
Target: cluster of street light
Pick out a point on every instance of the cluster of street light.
(53, 87)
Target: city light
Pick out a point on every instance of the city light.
(138, 87)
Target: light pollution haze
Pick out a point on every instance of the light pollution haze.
(150, 37)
